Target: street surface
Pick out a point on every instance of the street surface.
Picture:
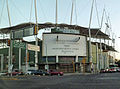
(73, 81)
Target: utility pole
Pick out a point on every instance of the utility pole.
(90, 49)
(36, 43)
(10, 48)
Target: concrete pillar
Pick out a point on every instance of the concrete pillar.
(1, 62)
(57, 61)
(76, 60)
(19, 59)
(107, 61)
(57, 67)
(82, 69)
(77, 69)
(97, 59)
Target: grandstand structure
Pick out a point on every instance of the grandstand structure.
(64, 48)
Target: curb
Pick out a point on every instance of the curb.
(80, 73)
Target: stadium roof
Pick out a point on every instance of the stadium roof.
(95, 32)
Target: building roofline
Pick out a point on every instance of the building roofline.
(83, 30)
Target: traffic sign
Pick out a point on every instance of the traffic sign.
(19, 44)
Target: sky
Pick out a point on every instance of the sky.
(20, 13)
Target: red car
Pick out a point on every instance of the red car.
(111, 70)
(54, 72)
(15, 72)
(102, 71)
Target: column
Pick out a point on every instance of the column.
(57, 61)
(1, 62)
(19, 59)
(76, 62)
(97, 60)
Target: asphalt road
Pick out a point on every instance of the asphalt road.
(94, 81)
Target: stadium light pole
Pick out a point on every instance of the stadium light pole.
(36, 43)
(10, 48)
(89, 29)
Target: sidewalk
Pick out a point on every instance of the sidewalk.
(77, 73)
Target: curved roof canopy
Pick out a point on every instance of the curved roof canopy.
(95, 32)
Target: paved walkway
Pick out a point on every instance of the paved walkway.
(77, 73)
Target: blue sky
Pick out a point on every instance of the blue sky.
(20, 13)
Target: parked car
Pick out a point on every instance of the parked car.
(118, 69)
(55, 72)
(3, 74)
(38, 72)
(111, 70)
(15, 72)
(46, 73)
(30, 72)
(102, 71)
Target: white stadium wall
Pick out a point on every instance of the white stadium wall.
(63, 45)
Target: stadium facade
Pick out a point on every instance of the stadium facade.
(64, 48)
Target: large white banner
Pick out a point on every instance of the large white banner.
(64, 45)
